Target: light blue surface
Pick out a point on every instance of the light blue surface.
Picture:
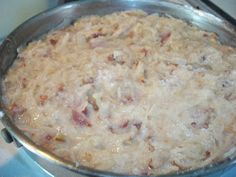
(21, 165)
(15, 12)
(230, 172)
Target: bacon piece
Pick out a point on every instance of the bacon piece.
(151, 148)
(194, 124)
(111, 57)
(177, 165)
(61, 88)
(111, 129)
(85, 111)
(24, 82)
(93, 102)
(17, 110)
(204, 125)
(207, 155)
(43, 99)
(150, 165)
(121, 62)
(124, 124)
(144, 51)
(120, 128)
(138, 125)
(96, 35)
(131, 34)
(89, 80)
(81, 119)
(134, 64)
(164, 37)
(48, 137)
(53, 42)
(127, 99)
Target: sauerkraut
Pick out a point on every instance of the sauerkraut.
(127, 92)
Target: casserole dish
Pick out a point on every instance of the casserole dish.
(64, 16)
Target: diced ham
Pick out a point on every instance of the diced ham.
(127, 99)
(93, 102)
(85, 111)
(24, 82)
(150, 164)
(120, 128)
(111, 57)
(177, 165)
(88, 80)
(17, 110)
(61, 88)
(164, 37)
(144, 51)
(207, 155)
(48, 137)
(96, 35)
(111, 129)
(138, 125)
(43, 99)
(53, 42)
(80, 119)
(151, 148)
(131, 34)
(124, 124)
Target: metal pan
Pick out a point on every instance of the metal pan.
(65, 15)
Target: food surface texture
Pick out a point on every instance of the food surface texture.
(127, 92)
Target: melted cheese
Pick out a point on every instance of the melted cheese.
(127, 92)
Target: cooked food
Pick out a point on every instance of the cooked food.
(127, 92)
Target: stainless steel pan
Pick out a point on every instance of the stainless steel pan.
(67, 14)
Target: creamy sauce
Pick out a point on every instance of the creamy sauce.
(127, 92)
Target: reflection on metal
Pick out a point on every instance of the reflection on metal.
(6, 136)
(210, 7)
